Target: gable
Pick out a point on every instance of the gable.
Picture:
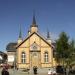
(34, 37)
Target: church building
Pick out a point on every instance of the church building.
(34, 50)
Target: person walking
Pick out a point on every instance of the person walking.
(35, 70)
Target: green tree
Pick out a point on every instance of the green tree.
(65, 51)
(71, 57)
(4, 58)
(62, 48)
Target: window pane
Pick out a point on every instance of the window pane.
(46, 57)
(23, 57)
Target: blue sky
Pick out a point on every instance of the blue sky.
(56, 15)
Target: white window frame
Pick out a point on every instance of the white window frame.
(46, 57)
(23, 57)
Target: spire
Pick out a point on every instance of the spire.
(20, 33)
(48, 35)
(34, 27)
(20, 36)
(34, 21)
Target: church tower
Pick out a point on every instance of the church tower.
(34, 27)
(20, 36)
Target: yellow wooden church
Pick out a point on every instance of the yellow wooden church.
(34, 50)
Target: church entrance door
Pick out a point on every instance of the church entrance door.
(35, 59)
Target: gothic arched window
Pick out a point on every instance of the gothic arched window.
(23, 57)
(46, 57)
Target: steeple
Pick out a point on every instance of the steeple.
(34, 21)
(34, 27)
(48, 37)
(20, 33)
(20, 36)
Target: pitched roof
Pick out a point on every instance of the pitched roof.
(37, 35)
(11, 47)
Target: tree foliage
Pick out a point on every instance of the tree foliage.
(4, 58)
(71, 56)
(62, 47)
(65, 50)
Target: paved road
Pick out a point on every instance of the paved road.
(20, 72)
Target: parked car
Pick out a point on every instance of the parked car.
(60, 69)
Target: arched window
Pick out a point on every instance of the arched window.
(23, 57)
(46, 57)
